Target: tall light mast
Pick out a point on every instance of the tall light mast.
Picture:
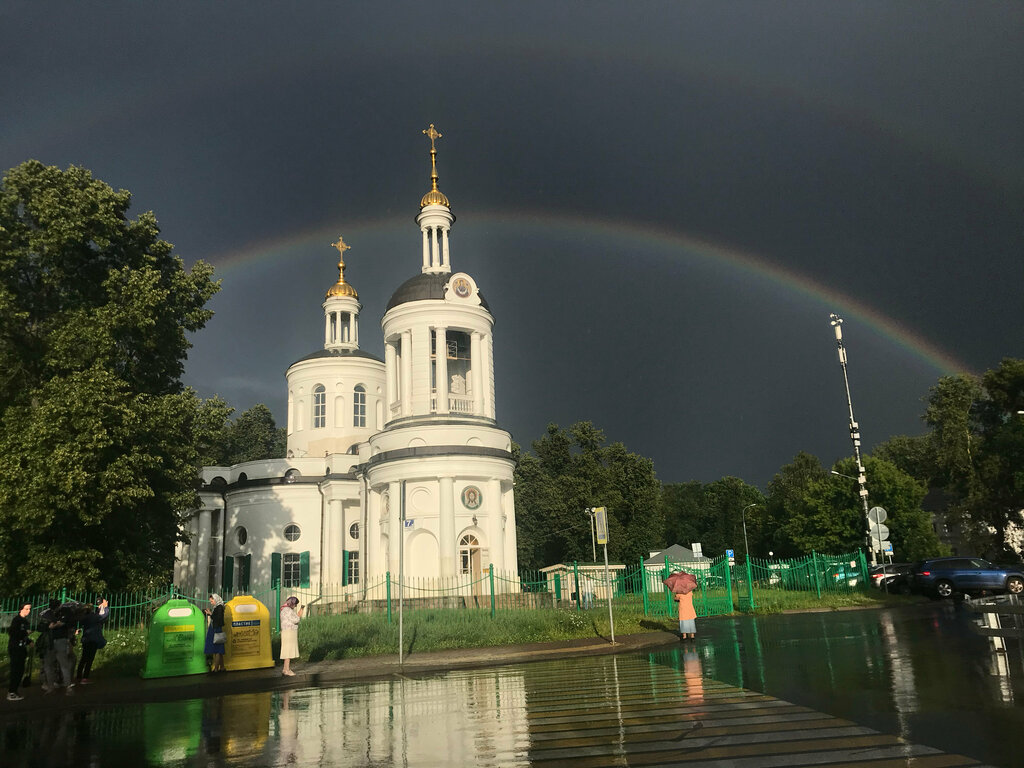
(837, 325)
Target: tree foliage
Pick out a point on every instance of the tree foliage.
(977, 438)
(713, 514)
(97, 435)
(811, 509)
(570, 471)
(252, 436)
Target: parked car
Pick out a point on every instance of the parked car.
(844, 575)
(893, 578)
(945, 576)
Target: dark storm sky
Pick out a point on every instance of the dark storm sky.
(662, 202)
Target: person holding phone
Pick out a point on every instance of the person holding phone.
(291, 615)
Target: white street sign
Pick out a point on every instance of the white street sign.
(877, 515)
(879, 532)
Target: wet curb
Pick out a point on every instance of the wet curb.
(128, 691)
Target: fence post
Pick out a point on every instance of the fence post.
(750, 584)
(387, 576)
(490, 569)
(865, 574)
(558, 588)
(728, 584)
(576, 585)
(643, 586)
(817, 576)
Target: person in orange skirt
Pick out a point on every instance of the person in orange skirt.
(687, 616)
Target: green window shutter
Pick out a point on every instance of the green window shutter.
(344, 568)
(229, 574)
(275, 570)
(243, 577)
(304, 569)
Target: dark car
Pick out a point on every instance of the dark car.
(944, 576)
(893, 578)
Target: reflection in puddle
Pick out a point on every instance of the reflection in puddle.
(919, 673)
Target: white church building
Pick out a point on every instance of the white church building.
(400, 457)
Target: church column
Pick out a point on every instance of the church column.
(365, 529)
(390, 377)
(394, 525)
(446, 526)
(508, 515)
(476, 360)
(441, 368)
(327, 329)
(202, 552)
(406, 378)
(444, 248)
(487, 373)
(426, 250)
(497, 533)
(353, 320)
(335, 541)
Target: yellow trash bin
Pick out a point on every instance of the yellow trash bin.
(247, 626)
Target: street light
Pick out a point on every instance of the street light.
(746, 547)
(837, 325)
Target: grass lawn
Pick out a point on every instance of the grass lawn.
(356, 635)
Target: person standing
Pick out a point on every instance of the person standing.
(588, 593)
(62, 632)
(291, 615)
(215, 633)
(92, 639)
(687, 616)
(18, 644)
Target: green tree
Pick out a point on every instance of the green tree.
(250, 437)
(681, 505)
(788, 506)
(977, 435)
(97, 435)
(570, 471)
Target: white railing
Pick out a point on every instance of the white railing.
(460, 404)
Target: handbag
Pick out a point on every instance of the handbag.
(219, 638)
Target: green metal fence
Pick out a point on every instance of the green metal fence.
(722, 588)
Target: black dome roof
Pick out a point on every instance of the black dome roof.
(338, 353)
(425, 286)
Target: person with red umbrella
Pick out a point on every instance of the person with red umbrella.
(681, 584)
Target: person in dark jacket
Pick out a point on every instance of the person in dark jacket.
(91, 623)
(18, 643)
(213, 648)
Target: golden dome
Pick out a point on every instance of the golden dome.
(435, 196)
(341, 288)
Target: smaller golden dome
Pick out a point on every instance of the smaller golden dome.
(341, 288)
(434, 197)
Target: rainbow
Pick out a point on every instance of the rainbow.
(661, 242)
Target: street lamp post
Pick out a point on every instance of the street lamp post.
(746, 547)
(837, 325)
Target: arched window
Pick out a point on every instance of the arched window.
(353, 530)
(359, 406)
(469, 555)
(319, 407)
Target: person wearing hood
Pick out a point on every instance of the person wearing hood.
(215, 636)
(291, 615)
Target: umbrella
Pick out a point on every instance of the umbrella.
(681, 583)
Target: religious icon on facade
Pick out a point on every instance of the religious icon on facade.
(471, 497)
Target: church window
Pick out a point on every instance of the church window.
(469, 554)
(319, 406)
(243, 536)
(359, 406)
(352, 569)
(291, 570)
(353, 531)
(292, 532)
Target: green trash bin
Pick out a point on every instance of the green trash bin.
(177, 638)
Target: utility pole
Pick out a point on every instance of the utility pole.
(593, 538)
(837, 325)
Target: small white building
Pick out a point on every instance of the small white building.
(371, 443)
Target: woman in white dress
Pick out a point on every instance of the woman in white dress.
(291, 615)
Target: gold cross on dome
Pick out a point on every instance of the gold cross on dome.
(433, 135)
(341, 246)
